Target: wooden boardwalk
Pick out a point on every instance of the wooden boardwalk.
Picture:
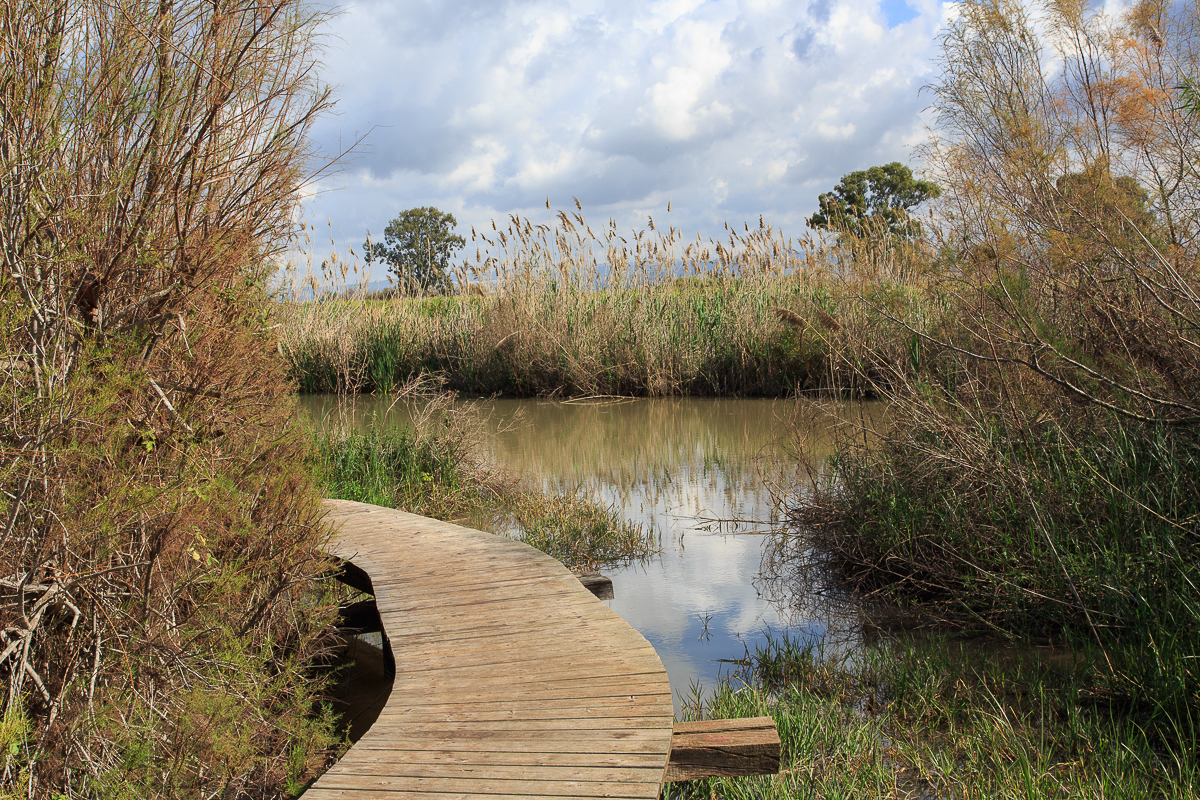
(512, 680)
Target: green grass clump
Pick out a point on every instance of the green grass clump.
(935, 719)
(579, 532)
(436, 474)
(397, 468)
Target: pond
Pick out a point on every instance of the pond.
(698, 473)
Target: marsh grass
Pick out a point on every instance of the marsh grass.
(936, 719)
(555, 310)
(579, 532)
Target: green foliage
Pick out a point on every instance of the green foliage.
(14, 751)
(396, 469)
(418, 245)
(874, 203)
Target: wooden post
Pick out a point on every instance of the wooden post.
(597, 584)
(723, 748)
(355, 577)
(360, 617)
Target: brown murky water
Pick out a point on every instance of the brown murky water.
(699, 473)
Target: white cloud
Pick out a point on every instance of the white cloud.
(487, 107)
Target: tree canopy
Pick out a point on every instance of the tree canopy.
(874, 202)
(418, 245)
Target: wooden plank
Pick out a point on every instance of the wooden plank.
(393, 768)
(489, 784)
(521, 663)
(725, 748)
(470, 643)
(513, 679)
(587, 710)
(502, 759)
(595, 725)
(318, 793)
(498, 707)
(538, 683)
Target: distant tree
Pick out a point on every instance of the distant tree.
(874, 202)
(418, 245)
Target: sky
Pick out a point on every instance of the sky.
(726, 109)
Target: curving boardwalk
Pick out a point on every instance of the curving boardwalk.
(512, 680)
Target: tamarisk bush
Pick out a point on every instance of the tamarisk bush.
(159, 538)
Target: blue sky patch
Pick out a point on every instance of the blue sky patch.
(896, 12)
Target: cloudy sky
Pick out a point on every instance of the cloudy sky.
(727, 108)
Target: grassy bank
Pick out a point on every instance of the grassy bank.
(433, 468)
(938, 719)
(1077, 528)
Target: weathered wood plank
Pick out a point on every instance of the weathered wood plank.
(723, 747)
(513, 679)
(393, 768)
(375, 794)
(639, 680)
(484, 785)
(501, 759)
(497, 707)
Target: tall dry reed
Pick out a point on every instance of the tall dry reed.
(557, 309)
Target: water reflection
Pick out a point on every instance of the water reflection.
(690, 469)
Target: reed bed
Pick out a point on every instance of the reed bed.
(557, 310)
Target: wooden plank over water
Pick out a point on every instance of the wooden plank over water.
(512, 680)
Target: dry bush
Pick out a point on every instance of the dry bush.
(1042, 470)
(1071, 212)
(160, 539)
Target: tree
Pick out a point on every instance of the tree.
(876, 201)
(418, 245)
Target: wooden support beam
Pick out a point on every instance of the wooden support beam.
(724, 748)
(355, 577)
(597, 584)
(360, 617)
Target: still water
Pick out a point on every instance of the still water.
(698, 473)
